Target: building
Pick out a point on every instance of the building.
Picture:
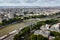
(44, 33)
(45, 27)
(10, 15)
(55, 27)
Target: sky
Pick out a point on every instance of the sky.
(45, 3)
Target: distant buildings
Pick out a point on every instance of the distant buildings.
(10, 15)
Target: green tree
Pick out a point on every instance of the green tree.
(40, 37)
(57, 38)
(53, 33)
(17, 37)
(25, 31)
(33, 37)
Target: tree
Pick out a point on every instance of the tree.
(52, 21)
(40, 37)
(57, 38)
(25, 13)
(38, 25)
(22, 33)
(37, 37)
(53, 33)
(25, 31)
(17, 37)
(33, 37)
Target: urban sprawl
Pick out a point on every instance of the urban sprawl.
(46, 28)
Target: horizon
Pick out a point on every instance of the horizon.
(54, 7)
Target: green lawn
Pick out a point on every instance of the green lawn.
(10, 28)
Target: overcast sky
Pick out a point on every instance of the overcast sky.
(30, 3)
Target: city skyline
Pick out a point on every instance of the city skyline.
(44, 3)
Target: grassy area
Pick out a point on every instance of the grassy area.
(10, 28)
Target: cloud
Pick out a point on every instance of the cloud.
(29, 2)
